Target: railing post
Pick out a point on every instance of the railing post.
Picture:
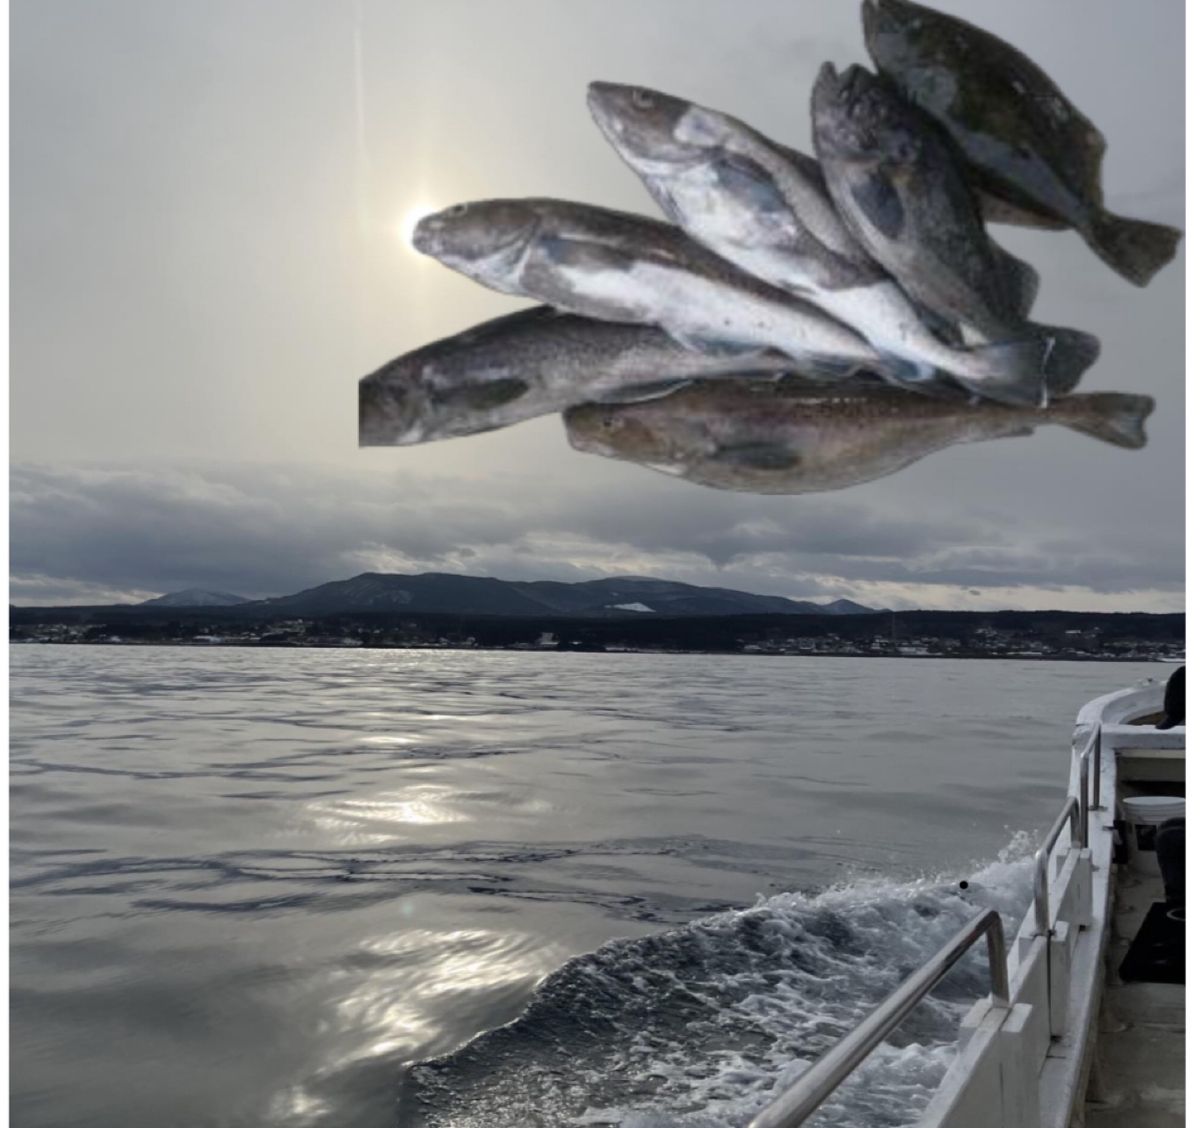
(1081, 837)
(1041, 895)
(997, 962)
(1096, 744)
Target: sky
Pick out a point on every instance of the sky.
(208, 206)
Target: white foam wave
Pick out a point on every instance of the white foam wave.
(700, 1025)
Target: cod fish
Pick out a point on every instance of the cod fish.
(533, 362)
(1027, 145)
(765, 208)
(615, 266)
(791, 437)
(898, 183)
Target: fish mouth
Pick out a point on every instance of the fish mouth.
(605, 101)
(585, 428)
(842, 90)
(638, 122)
(387, 413)
(842, 112)
(854, 82)
(422, 236)
(605, 97)
(494, 245)
(826, 86)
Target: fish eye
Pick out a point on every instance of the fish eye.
(457, 210)
(643, 99)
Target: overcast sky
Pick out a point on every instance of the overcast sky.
(208, 202)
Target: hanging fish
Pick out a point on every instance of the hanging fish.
(533, 362)
(1029, 147)
(620, 267)
(766, 209)
(791, 437)
(900, 186)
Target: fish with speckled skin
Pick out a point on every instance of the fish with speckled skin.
(765, 208)
(533, 362)
(791, 437)
(1030, 149)
(615, 266)
(899, 184)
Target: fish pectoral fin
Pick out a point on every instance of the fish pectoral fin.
(639, 393)
(880, 203)
(712, 346)
(483, 396)
(565, 251)
(759, 456)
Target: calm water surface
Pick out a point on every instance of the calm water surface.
(290, 887)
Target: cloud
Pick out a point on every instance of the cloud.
(104, 533)
(33, 590)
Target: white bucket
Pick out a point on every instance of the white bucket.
(1143, 815)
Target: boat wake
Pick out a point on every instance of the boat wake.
(698, 1026)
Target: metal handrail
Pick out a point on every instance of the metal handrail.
(1041, 865)
(793, 1106)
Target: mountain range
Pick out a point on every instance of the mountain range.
(442, 592)
(195, 597)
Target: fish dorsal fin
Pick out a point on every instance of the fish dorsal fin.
(1021, 281)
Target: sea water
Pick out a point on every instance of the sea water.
(379, 888)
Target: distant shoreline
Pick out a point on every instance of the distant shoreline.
(969, 656)
(1035, 635)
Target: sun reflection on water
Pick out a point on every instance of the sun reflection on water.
(398, 1009)
(380, 817)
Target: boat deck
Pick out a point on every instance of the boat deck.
(1137, 1078)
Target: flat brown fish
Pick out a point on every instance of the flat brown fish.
(790, 437)
(1030, 148)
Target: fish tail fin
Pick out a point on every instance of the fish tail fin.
(1111, 417)
(1135, 249)
(1008, 372)
(1069, 354)
(1044, 362)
